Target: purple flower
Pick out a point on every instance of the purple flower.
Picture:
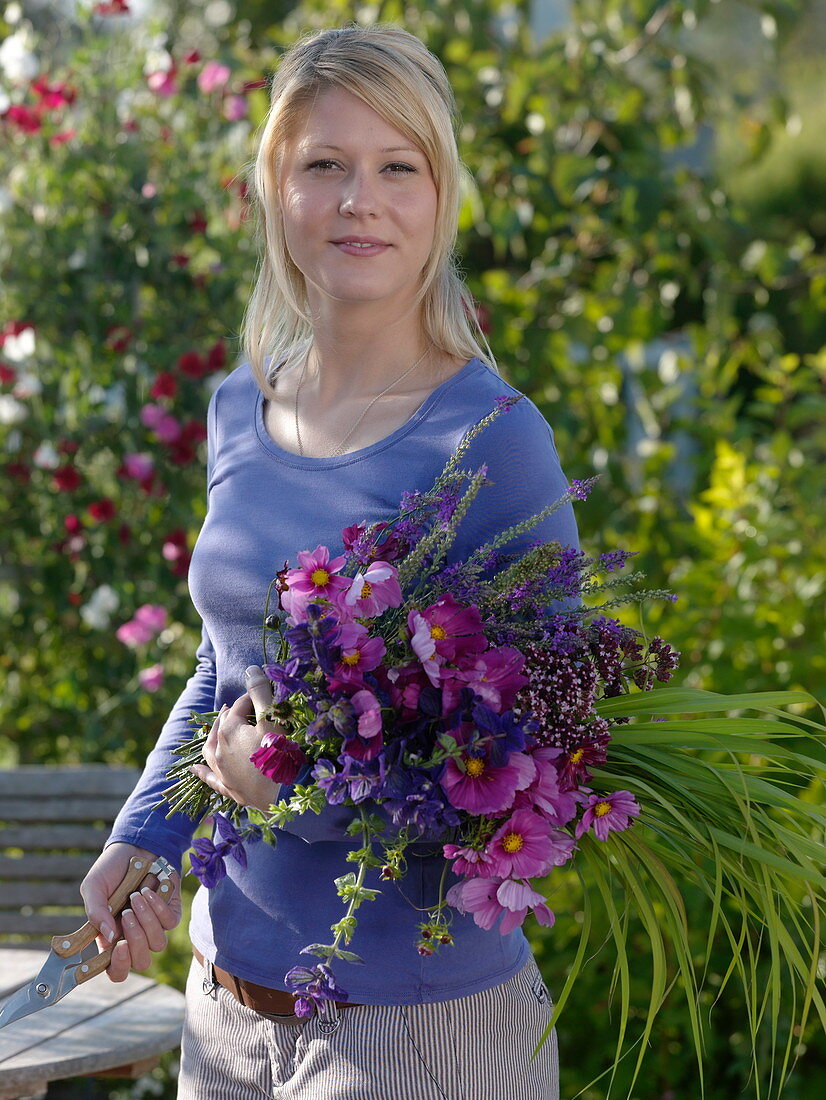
(356, 779)
(579, 490)
(314, 986)
(607, 812)
(415, 801)
(615, 559)
(207, 862)
(231, 841)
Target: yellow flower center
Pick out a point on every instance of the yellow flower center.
(602, 808)
(351, 658)
(320, 577)
(438, 632)
(576, 756)
(513, 842)
(366, 590)
(475, 767)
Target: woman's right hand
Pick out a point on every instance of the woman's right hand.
(143, 925)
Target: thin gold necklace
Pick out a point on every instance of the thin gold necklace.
(340, 448)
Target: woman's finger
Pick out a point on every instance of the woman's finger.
(136, 940)
(120, 964)
(147, 918)
(259, 689)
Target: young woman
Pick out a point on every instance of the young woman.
(365, 368)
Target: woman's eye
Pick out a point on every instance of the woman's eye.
(322, 165)
(401, 169)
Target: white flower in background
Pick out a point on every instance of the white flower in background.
(112, 399)
(157, 61)
(11, 411)
(17, 60)
(27, 385)
(101, 605)
(5, 101)
(19, 347)
(46, 457)
(13, 14)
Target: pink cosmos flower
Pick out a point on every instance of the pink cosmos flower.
(526, 846)
(314, 579)
(517, 898)
(544, 794)
(469, 862)
(456, 630)
(490, 898)
(279, 758)
(134, 634)
(605, 812)
(234, 108)
(476, 786)
(423, 645)
(151, 679)
(405, 686)
(213, 75)
(151, 615)
(372, 591)
(163, 82)
(367, 707)
(162, 423)
(495, 676)
(368, 743)
(138, 465)
(359, 652)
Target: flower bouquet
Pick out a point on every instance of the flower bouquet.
(491, 705)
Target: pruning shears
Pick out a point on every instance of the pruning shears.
(75, 958)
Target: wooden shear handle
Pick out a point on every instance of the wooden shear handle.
(76, 941)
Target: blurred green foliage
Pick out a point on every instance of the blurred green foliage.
(661, 301)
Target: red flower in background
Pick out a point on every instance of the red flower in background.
(193, 365)
(7, 374)
(118, 337)
(24, 118)
(102, 510)
(112, 7)
(197, 222)
(62, 137)
(165, 385)
(20, 472)
(66, 479)
(52, 96)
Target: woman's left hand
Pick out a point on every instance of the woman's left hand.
(231, 742)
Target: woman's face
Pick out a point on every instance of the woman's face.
(358, 202)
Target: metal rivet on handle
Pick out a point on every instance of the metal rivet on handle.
(43, 990)
(85, 968)
(66, 944)
(138, 863)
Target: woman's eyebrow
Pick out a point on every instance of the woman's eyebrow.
(338, 149)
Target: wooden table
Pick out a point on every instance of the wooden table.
(97, 1027)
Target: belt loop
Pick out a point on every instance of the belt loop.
(209, 983)
(329, 1018)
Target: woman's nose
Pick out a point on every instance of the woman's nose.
(358, 198)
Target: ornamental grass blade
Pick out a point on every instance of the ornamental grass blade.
(734, 806)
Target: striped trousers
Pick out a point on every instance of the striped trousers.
(472, 1048)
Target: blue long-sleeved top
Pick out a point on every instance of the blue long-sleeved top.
(264, 505)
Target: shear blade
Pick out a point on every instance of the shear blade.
(56, 978)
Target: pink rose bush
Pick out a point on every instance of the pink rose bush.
(402, 683)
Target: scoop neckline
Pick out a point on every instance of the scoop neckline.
(319, 462)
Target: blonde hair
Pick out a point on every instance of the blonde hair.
(394, 73)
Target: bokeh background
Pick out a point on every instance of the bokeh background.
(643, 232)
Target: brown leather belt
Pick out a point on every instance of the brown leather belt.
(260, 998)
